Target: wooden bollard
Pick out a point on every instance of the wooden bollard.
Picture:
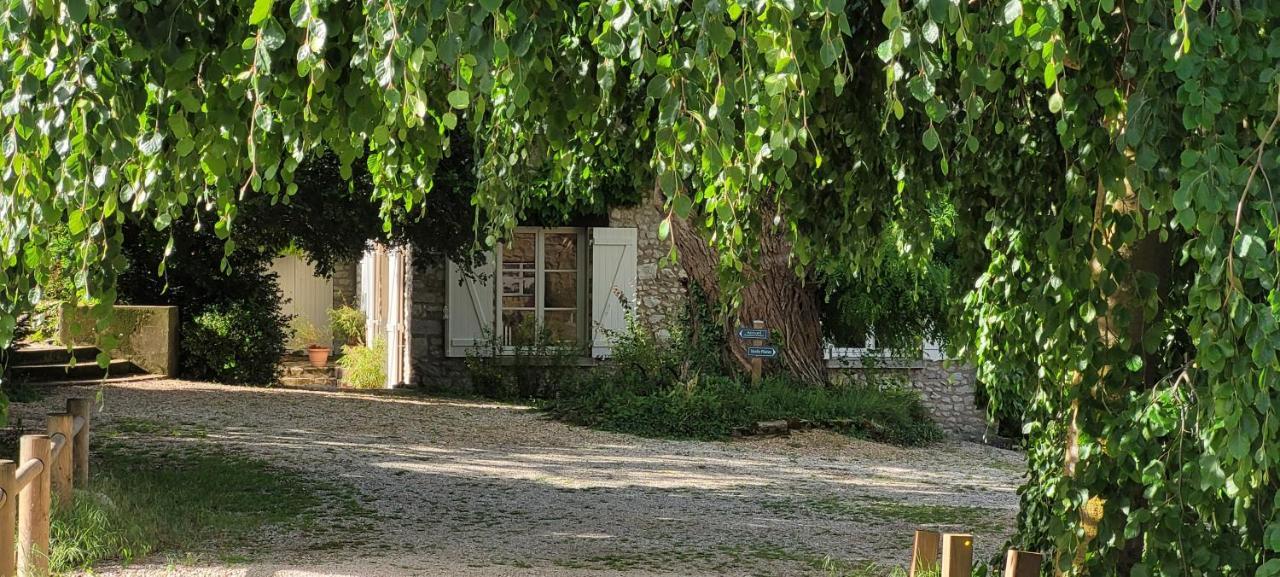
(1022, 564)
(8, 519)
(81, 409)
(61, 424)
(33, 510)
(957, 555)
(924, 552)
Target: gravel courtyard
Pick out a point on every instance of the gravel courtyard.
(466, 488)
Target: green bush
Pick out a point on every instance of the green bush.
(348, 324)
(364, 367)
(239, 342)
(711, 407)
(527, 371)
(677, 388)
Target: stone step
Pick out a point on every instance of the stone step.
(54, 373)
(51, 355)
(308, 371)
(309, 382)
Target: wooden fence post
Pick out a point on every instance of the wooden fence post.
(957, 555)
(8, 518)
(33, 510)
(82, 409)
(757, 364)
(61, 425)
(1022, 564)
(924, 552)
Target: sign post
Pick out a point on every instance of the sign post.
(757, 363)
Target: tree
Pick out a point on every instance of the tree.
(1109, 163)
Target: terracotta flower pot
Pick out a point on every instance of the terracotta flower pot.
(318, 355)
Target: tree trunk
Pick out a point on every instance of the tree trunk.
(773, 294)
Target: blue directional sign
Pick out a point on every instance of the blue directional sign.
(762, 352)
(750, 334)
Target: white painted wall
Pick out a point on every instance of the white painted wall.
(306, 294)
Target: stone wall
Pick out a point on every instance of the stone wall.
(147, 336)
(429, 367)
(346, 283)
(660, 289)
(947, 389)
(660, 294)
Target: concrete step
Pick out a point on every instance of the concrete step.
(51, 355)
(50, 373)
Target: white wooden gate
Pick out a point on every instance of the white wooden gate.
(306, 294)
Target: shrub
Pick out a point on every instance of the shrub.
(364, 367)
(348, 324)
(240, 342)
(676, 388)
(711, 407)
(304, 334)
(524, 371)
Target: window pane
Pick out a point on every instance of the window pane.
(561, 251)
(562, 326)
(520, 250)
(561, 291)
(519, 275)
(518, 328)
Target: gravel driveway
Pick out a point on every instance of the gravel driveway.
(466, 488)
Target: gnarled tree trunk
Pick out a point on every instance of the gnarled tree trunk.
(773, 294)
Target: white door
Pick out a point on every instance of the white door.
(307, 295)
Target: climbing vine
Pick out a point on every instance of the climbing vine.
(1110, 163)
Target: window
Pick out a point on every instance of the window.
(542, 287)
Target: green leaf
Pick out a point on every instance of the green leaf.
(1055, 102)
(1012, 11)
(1134, 364)
(450, 120)
(683, 205)
(261, 10)
(491, 5)
(931, 139)
(459, 98)
(77, 10)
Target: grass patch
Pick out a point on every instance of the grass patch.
(711, 407)
(190, 503)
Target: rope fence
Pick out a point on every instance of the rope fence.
(48, 467)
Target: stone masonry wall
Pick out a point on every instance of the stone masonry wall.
(429, 366)
(947, 390)
(660, 289)
(346, 283)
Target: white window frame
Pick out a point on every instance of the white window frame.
(540, 270)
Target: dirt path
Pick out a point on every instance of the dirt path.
(466, 488)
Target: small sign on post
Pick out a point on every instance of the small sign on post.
(758, 349)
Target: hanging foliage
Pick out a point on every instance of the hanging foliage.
(1110, 163)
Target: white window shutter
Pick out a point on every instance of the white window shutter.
(613, 277)
(471, 308)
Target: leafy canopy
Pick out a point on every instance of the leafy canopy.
(1110, 162)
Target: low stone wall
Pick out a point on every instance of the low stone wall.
(147, 336)
(947, 389)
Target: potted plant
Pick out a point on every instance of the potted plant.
(314, 340)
